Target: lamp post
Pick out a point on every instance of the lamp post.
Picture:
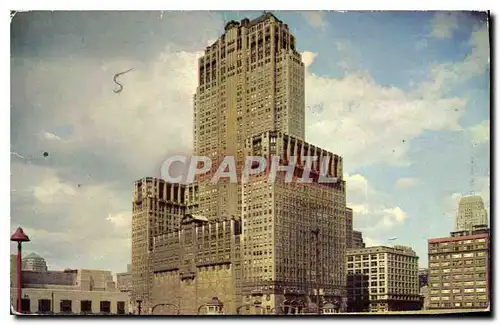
(257, 296)
(139, 306)
(315, 233)
(19, 236)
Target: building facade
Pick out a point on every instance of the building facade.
(69, 291)
(33, 262)
(251, 80)
(283, 256)
(423, 277)
(381, 279)
(357, 240)
(199, 261)
(124, 284)
(249, 101)
(471, 213)
(459, 270)
(157, 208)
(348, 227)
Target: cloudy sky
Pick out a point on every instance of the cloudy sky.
(404, 98)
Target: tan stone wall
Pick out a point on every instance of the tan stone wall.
(76, 296)
(190, 294)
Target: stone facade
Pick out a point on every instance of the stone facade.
(196, 263)
(157, 209)
(68, 291)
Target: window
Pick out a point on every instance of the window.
(65, 306)
(120, 307)
(44, 305)
(25, 305)
(105, 307)
(86, 306)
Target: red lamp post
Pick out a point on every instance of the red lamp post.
(19, 236)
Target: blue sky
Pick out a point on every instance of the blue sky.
(405, 97)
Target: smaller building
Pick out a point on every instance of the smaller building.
(458, 270)
(124, 283)
(357, 240)
(33, 262)
(423, 278)
(382, 278)
(68, 292)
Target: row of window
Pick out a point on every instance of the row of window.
(66, 306)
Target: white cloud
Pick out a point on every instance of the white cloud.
(374, 122)
(50, 190)
(315, 18)
(446, 75)
(121, 220)
(444, 24)
(374, 212)
(479, 133)
(308, 58)
(406, 182)
(51, 136)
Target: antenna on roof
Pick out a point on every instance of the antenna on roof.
(471, 175)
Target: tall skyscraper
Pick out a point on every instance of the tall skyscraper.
(287, 247)
(251, 80)
(471, 212)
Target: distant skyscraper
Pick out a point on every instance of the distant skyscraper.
(33, 262)
(357, 240)
(471, 212)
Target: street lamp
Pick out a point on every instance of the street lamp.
(257, 295)
(139, 306)
(315, 233)
(19, 236)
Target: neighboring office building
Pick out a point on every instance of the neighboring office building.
(158, 207)
(458, 270)
(68, 291)
(424, 293)
(423, 277)
(423, 281)
(357, 240)
(387, 276)
(471, 213)
(124, 283)
(199, 261)
(33, 262)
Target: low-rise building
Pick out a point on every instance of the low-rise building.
(69, 291)
(459, 269)
(124, 283)
(382, 278)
